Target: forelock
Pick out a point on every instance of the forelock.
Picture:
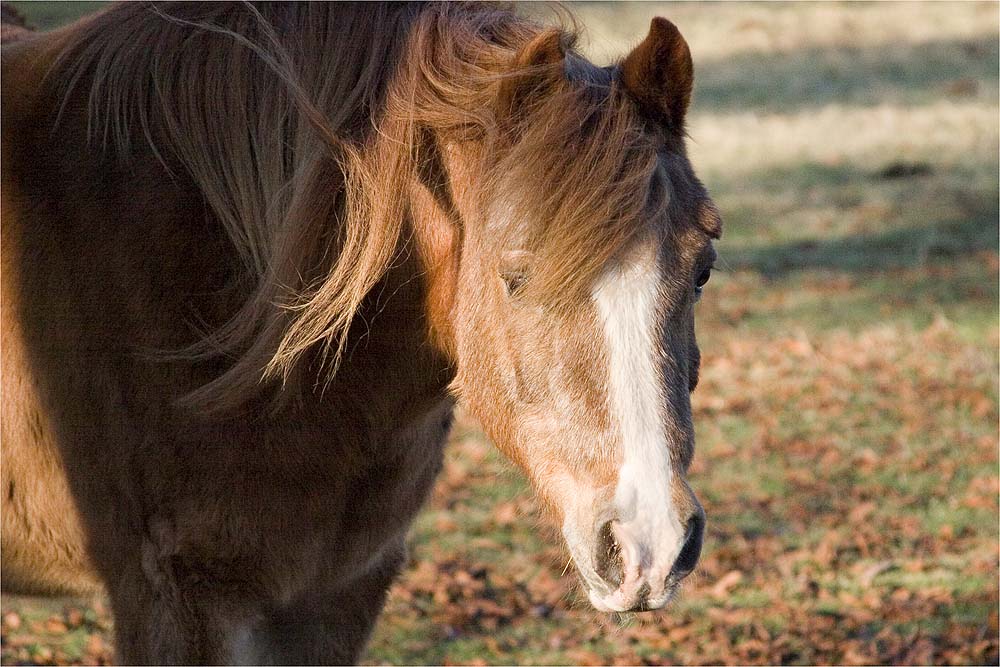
(577, 184)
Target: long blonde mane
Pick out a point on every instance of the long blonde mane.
(300, 123)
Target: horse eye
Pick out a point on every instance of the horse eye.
(700, 282)
(513, 280)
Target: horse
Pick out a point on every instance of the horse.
(253, 257)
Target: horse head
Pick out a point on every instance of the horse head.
(564, 287)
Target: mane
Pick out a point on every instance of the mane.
(298, 122)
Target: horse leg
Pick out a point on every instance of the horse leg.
(165, 615)
(331, 626)
(184, 627)
(331, 622)
(154, 625)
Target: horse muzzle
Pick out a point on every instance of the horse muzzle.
(637, 563)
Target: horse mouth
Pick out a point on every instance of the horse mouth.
(622, 602)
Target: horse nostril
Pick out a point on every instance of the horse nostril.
(609, 557)
(691, 550)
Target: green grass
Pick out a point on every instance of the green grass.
(44, 15)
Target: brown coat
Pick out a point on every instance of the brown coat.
(252, 252)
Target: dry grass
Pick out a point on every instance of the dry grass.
(726, 31)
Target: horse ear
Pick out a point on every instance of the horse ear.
(659, 75)
(536, 65)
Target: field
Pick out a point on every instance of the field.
(847, 416)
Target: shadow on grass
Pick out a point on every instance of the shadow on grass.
(966, 299)
(924, 246)
(869, 76)
(927, 215)
(850, 247)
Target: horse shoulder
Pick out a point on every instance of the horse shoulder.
(40, 534)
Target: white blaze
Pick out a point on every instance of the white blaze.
(648, 528)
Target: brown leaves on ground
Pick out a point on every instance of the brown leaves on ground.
(39, 635)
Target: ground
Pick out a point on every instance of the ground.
(847, 415)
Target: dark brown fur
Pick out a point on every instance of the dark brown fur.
(232, 238)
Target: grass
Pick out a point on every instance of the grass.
(45, 15)
(847, 413)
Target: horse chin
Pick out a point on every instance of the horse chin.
(623, 600)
